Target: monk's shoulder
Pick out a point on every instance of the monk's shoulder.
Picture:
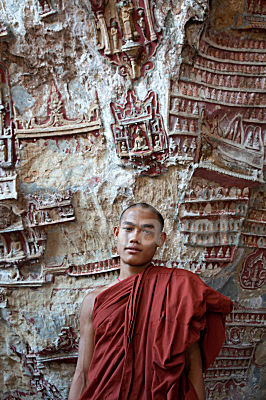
(180, 273)
(89, 300)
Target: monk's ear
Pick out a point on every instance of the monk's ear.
(116, 232)
(162, 239)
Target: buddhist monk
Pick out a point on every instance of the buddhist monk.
(151, 333)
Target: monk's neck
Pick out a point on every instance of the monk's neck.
(127, 270)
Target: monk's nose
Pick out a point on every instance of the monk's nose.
(135, 237)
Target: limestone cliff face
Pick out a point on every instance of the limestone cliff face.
(107, 104)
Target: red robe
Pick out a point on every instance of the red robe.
(143, 327)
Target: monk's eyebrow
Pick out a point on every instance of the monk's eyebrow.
(151, 226)
(128, 223)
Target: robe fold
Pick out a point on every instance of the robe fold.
(143, 326)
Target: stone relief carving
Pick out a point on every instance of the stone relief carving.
(38, 382)
(45, 8)
(253, 272)
(212, 218)
(92, 269)
(4, 31)
(64, 347)
(252, 16)
(127, 34)
(254, 228)
(139, 133)
(3, 298)
(49, 208)
(23, 239)
(56, 123)
(230, 371)
(226, 112)
(8, 173)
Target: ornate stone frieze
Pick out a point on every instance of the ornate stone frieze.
(7, 153)
(56, 123)
(217, 108)
(127, 34)
(139, 133)
(100, 267)
(253, 272)
(45, 8)
(244, 331)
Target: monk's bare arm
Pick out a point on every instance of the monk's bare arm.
(194, 362)
(86, 347)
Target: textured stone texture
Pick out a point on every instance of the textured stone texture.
(40, 299)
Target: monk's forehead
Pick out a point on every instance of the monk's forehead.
(140, 215)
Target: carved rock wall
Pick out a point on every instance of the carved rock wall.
(106, 103)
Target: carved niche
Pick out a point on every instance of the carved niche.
(217, 108)
(55, 123)
(139, 133)
(127, 33)
(45, 8)
(8, 173)
(229, 373)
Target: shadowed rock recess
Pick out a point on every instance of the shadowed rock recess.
(106, 103)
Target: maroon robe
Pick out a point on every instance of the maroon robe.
(144, 325)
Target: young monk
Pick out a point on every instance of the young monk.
(150, 333)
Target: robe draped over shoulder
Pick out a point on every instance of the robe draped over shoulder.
(143, 326)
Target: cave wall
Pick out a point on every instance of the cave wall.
(103, 104)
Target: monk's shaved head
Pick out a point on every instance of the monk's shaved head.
(147, 207)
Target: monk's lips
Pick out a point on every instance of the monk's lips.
(132, 249)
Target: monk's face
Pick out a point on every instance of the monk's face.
(138, 236)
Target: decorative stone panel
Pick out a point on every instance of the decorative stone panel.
(139, 133)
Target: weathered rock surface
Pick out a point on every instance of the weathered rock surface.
(76, 148)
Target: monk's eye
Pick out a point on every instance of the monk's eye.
(147, 232)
